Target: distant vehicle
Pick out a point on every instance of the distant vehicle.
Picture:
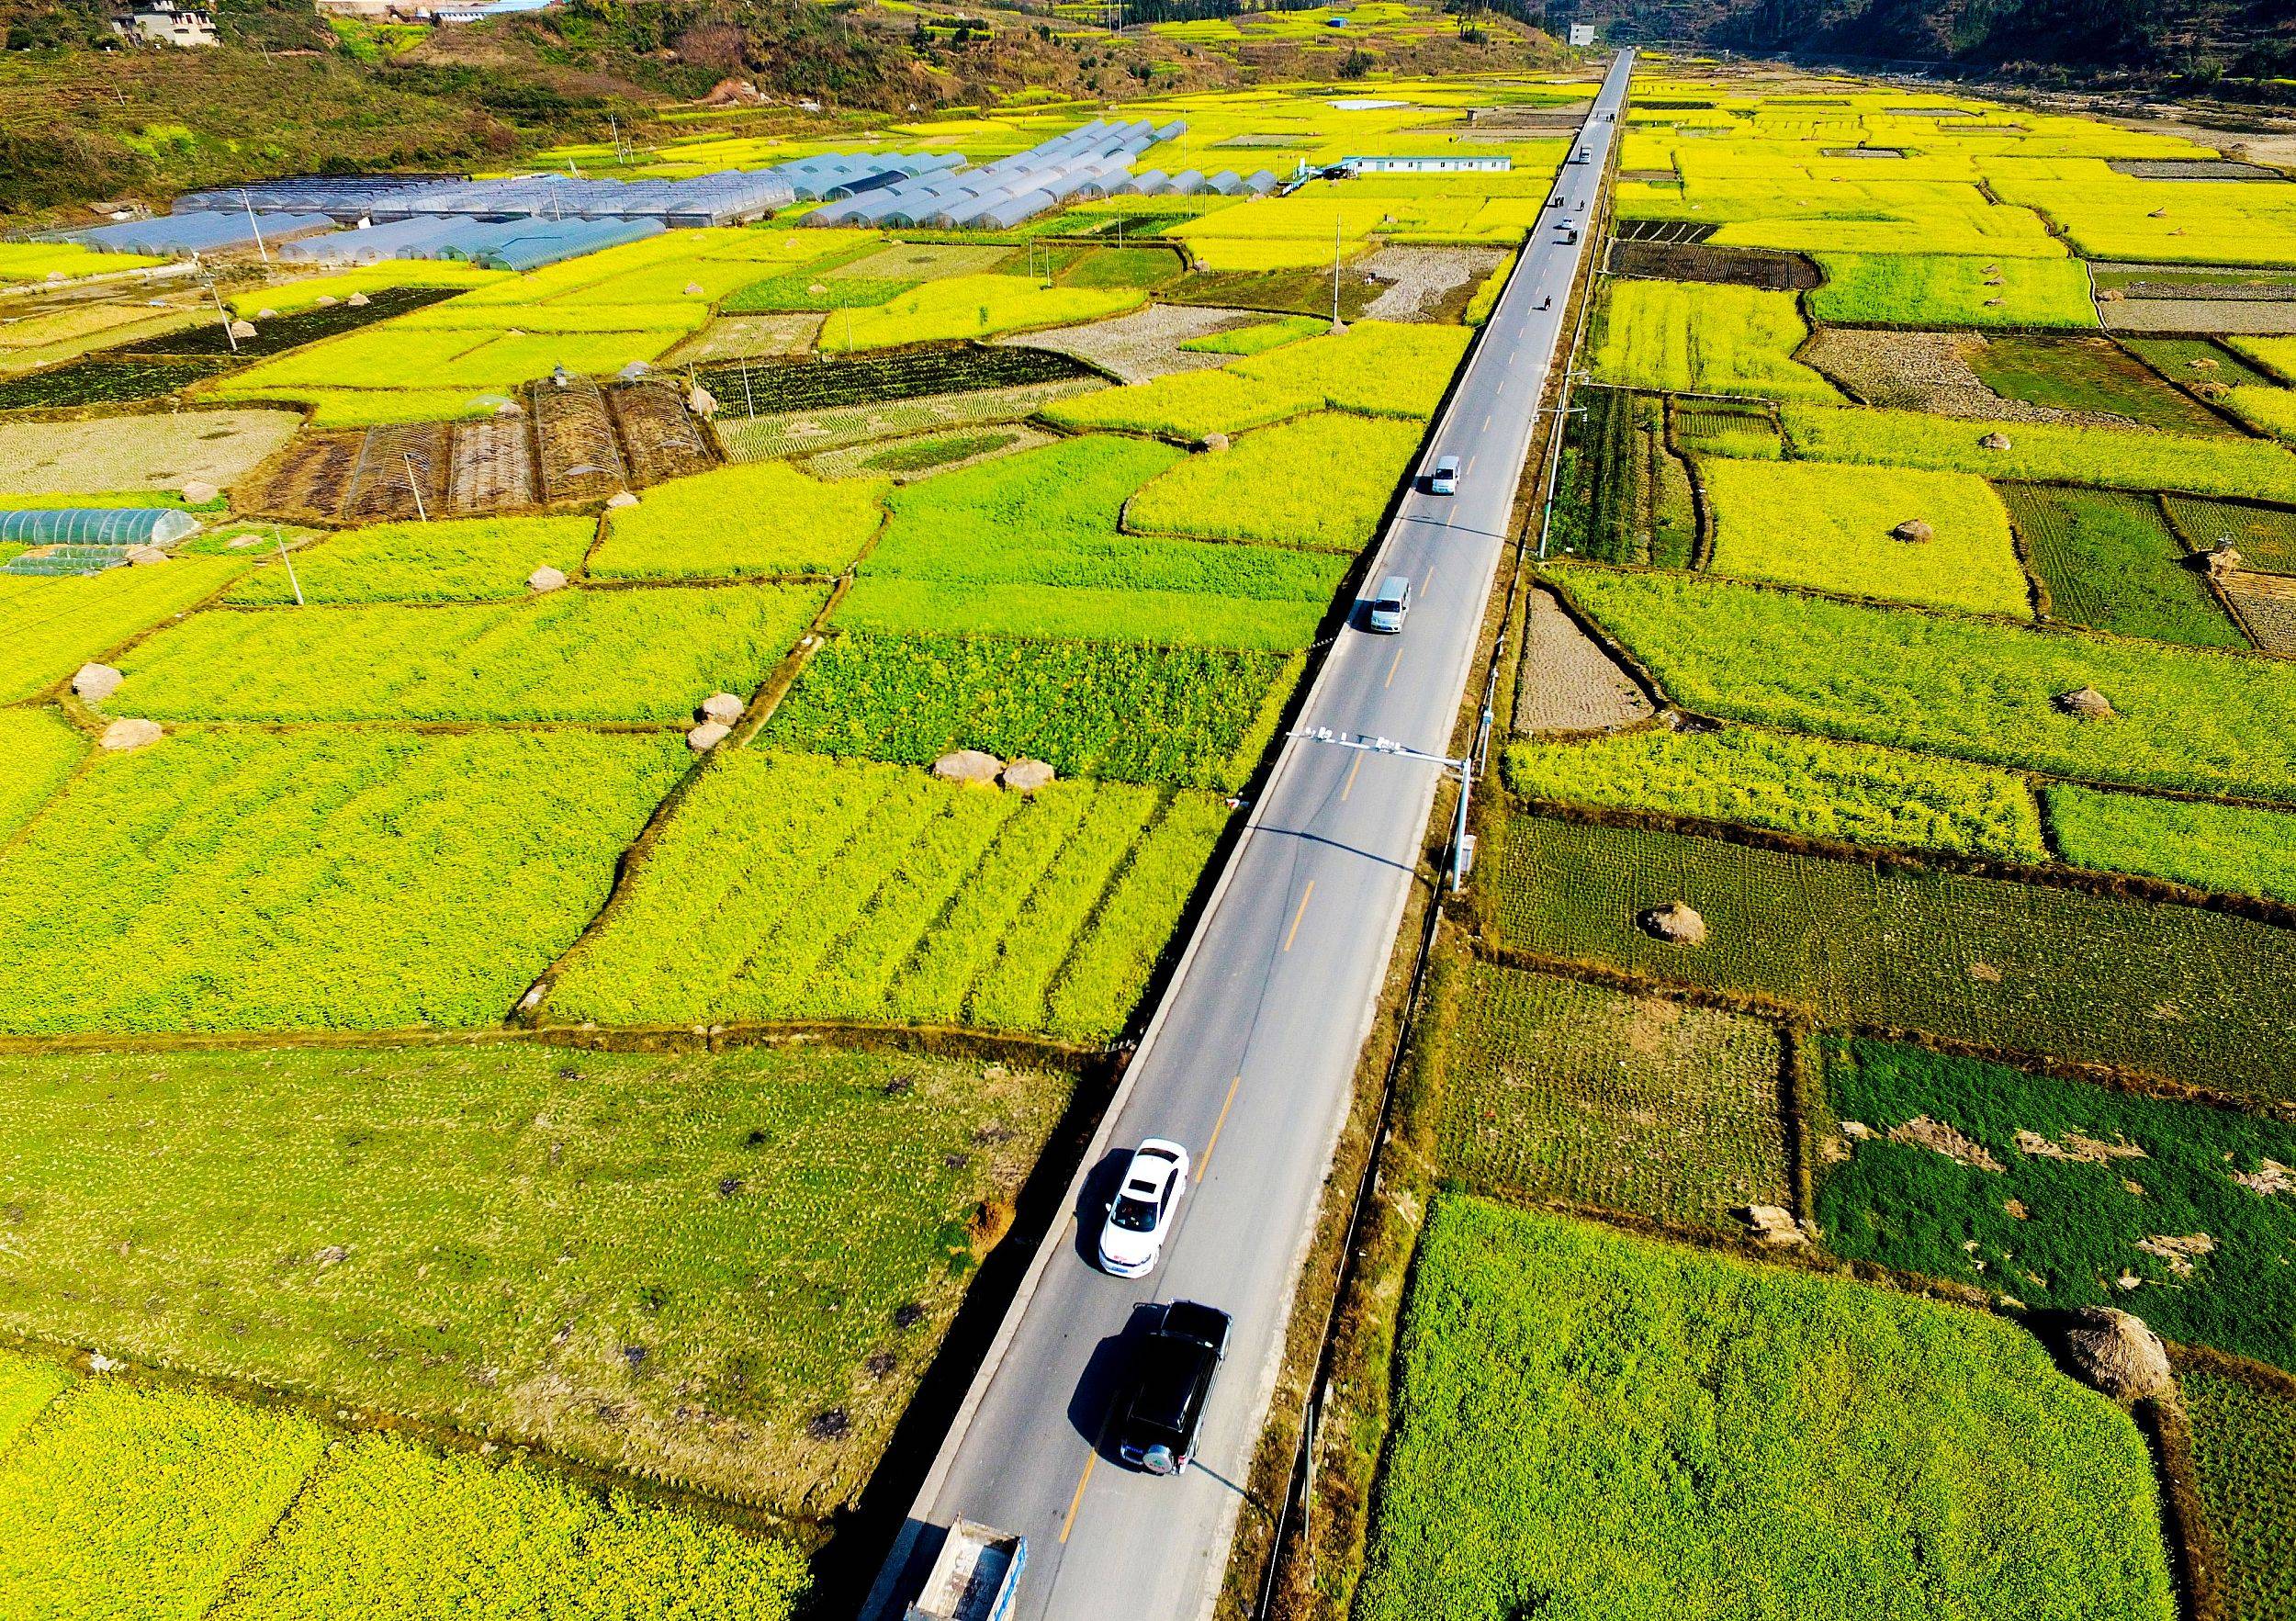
(1140, 1215)
(1555, 201)
(1570, 235)
(1446, 478)
(974, 1577)
(1171, 1381)
(1389, 604)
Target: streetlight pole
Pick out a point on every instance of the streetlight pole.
(1464, 766)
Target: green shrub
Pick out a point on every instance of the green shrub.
(336, 879)
(2227, 848)
(2189, 719)
(1319, 481)
(514, 1219)
(1554, 1089)
(1591, 1425)
(2116, 458)
(2196, 996)
(572, 654)
(452, 560)
(1832, 528)
(1813, 787)
(1188, 716)
(791, 886)
(763, 518)
(1931, 290)
(50, 624)
(2110, 564)
(2071, 1185)
(1696, 337)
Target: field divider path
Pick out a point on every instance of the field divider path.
(1258, 1036)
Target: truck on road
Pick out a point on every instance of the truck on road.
(974, 1577)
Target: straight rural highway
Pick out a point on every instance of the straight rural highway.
(1251, 1055)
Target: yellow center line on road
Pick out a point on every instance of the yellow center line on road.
(1352, 770)
(1392, 669)
(1218, 1126)
(1077, 1502)
(1299, 914)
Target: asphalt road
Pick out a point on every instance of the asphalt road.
(1253, 1053)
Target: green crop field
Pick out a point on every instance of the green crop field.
(1834, 529)
(791, 886)
(1604, 1426)
(973, 307)
(2244, 1455)
(2195, 995)
(343, 880)
(1700, 339)
(198, 1505)
(1184, 405)
(454, 560)
(765, 518)
(50, 625)
(1813, 787)
(37, 753)
(2109, 562)
(1258, 339)
(1319, 481)
(1377, 367)
(1183, 716)
(1952, 290)
(2186, 718)
(1076, 613)
(2091, 375)
(1727, 427)
(2117, 458)
(1623, 497)
(1552, 1089)
(570, 655)
(2265, 536)
(2232, 848)
(585, 1251)
(2068, 1196)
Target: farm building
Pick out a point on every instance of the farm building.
(1449, 163)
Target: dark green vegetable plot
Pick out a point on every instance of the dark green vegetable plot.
(2244, 1452)
(2110, 564)
(2098, 1175)
(1591, 1428)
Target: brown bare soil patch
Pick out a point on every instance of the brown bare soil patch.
(1743, 267)
(1566, 682)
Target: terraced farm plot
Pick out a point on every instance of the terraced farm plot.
(821, 386)
(50, 624)
(1624, 1427)
(1956, 290)
(464, 560)
(2244, 1454)
(2091, 375)
(407, 1230)
(762, 438)
(2186, 718)
(2265, 536)
(2236, 849)
(764, 518)
(332, 880)
(2062, 1194)
(2110, 563)
(1376, 367)
(1319, 481)
(1257, 338)
(153, 452)
(837, 890)
(2195, 995)
(1844, 529)
(1182, 716)
(1624, 496)
(973, 307)
(2266, 606)
(1548, 1088)
(1184, 618)
(570, 656)
(2116, 458)
(1686, 338)
(1811, 787)
(38, 751)
(1184, 405)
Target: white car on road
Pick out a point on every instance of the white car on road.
(1140, 1215)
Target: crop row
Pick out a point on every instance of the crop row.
(763, 518)
(1319, 481)
(1685, 338)
(452, 561)
(50, 624)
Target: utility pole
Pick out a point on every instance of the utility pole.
(250, 207)
(1462, 847)
(1336, 325)
(415, 485)
(230, 336)
(280, 541)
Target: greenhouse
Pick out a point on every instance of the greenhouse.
(120, 526)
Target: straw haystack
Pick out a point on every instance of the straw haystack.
(1994, 442)
(2086, 702)
(1675, 923)
(1913, 531)
(2117, 1354)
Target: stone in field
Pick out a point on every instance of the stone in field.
(1026, 776)
(2117, 1354)
(143, 556)
(242, 329)
(546, 578)
(621, 498)
(722, 707)
(95, 682)
(707, 736)
(2086, 702)
(1913, 531)
(1215, 442)
(1994, 442)
(130, 733)
(1676, 923)
(266, 315)
(1772, 1224)
(197, 493)
(967, 765)
(358, 300)
(2224, 558)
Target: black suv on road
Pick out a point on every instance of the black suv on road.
(1171, 1381)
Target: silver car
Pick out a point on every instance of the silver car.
(1389, 604)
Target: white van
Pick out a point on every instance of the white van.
(1445, 481)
